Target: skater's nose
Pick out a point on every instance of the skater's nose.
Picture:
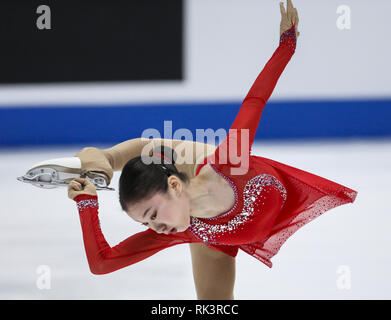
(161, 228)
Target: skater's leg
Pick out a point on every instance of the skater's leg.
(213, 272)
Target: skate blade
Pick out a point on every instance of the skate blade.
(50, 178)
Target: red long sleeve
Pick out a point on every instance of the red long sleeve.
(251, 109)
(105, 259)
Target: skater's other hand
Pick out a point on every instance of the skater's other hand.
(288, 17)
(81, 186)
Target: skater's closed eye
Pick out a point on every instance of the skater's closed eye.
(152, 217)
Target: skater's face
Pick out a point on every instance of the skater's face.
(164, 213)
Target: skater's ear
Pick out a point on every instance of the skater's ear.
(175, 184)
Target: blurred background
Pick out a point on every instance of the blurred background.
(98, 73)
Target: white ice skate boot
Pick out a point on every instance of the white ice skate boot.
(60, 172)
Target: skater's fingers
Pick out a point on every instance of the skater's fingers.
(296, 18)
(83, 181)
(75, 185)
(290, 12)
(282, 9)
(75, 182)
(289, 6)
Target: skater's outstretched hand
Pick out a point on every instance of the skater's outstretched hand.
(80, 186)
(288, 17)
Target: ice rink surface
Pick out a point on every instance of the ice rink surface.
(343, 254)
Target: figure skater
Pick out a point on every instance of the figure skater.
(203, 202)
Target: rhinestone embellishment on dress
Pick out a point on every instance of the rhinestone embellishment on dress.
(87, 203)
(289, 38)
(251, 192)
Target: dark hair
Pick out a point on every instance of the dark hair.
(140, 180)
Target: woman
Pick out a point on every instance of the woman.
(216, 206)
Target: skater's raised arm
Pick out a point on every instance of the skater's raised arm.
(252, 107)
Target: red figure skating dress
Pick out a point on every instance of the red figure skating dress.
(272, 200)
